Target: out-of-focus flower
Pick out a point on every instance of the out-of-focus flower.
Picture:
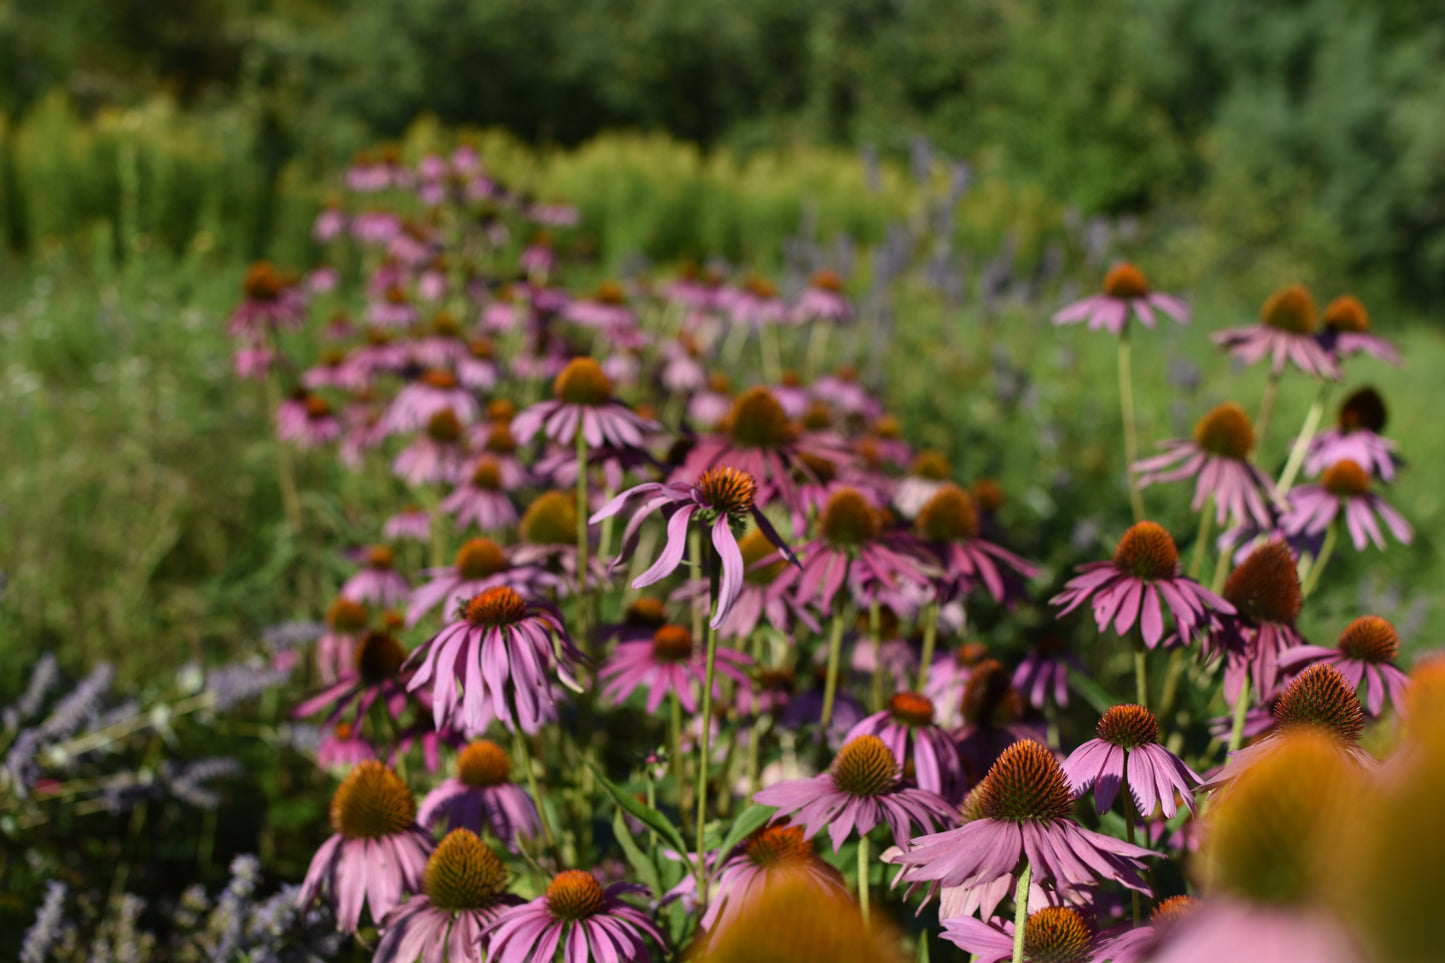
(481, 797)
(1367, 649)
(1125, 291)
(1128, 753)
(1347, 331)
(1285, 333)
(1218, 459)
(1344, 489)
(579, 917)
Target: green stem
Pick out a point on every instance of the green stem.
(1236, 726)
(1021, 911)
(525, 751)
(705, 740)
(582, 513)
(771, 358)
(875, 632)
(863, 875)
(1131, 440)
(1332, 534)
(1221, 570)
(1302, 442)
(285, 471)
(1171, 682)
(830, 685)
(1141, 684)
(1266, 407)
(1129, 817)
(438, 555)
(1206, 519)
(930, 638)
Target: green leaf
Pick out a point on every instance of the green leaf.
(650, 817)
(923, 947)
(1092, 692)
(754, 817)
(646, 869)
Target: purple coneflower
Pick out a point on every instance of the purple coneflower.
(253, 361)
(435, 390)
(483, 500)
(442, 345)
(1344, 488)
(948, 677)
(948, 526)
(1025, 807)
(335, 370)
(376, 674)
(927, 753)
(992, 711)
(583, 402)
(436, 456)
(720, 497)
(762, 596)
(823, 300)
(861, 789)
(1285, 333)
(1053, 934)
(378, 582)
(392, 310)
(842, 392)
(273, 301)
(307, 421)
(482, 796)
(1347, 331)
(1128, 751)
(1218, 459)
(754, 302)
(344, 747)
(1366, 653)
(479, 564)
(1125, 291)
(1044, 672)
(493, 661)
(411, 523)
(477, 369)
(377, 853)
(744, 875)
(668, 663)
(928, 473)
(345, 619)
(463, 890)
(605, 308)
(577, 914)
(1143, 941)
(1264, 591)
(1356, 438)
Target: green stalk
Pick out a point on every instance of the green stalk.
(1332, 534)
(1236, 726)
(875, 631)
(830, 685)
(704, 743)
(1021, 911)
(1266, 407)
(582, 513)
(674, 738)
(863, 875)
(1141, 684)
(1206, 519)
(1171, 682)
(285, 471)
(1302, 442)
(1131, 440)
(525, 751)
(930, 638)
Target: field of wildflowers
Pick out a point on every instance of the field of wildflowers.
(901, 603)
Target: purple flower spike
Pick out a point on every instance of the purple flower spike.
(1128, 748)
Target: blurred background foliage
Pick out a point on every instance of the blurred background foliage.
(1312, 127)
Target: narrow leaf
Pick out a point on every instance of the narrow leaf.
(650, 817)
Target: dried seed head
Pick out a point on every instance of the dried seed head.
(444, 426)
(372, 802)
(646, 611)
(1124, 280)
(496, 607)
(378, 657)
(1265, 587)
(1147, 551)
(480, 558)
(865, 766)
(949, 516)
(989, 696)
(1370, 638)
(483, 764)
(575, 894)
(1026, 784)
(463, 873)
(1321, 698)
(263, 282)
(1363, 409)
(1225, 432)
(1290, 309)
(582, 382)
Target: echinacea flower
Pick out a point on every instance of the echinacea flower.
(479, 564)
(376, 675)
(377, 852)
(1053, 934)
(463, 889)
(1367, 650)
(378, 582)
(1044, 672)
(992, 709)
(1285, 333)
(345, 620)
(948, 526)
(436, 456)
(669, 662)
(307, 421)
(605, 308)
(482, 500)
(1347, 331)
(434, 390)
(861, 789)
(1128, 752)
(1125, 291)
(763, 596)
(493, 662)
(948, 677)
(273, 301)
(344, 748)
(927, 753)
(582, 402)
(1026, 812)
(1218, 460)
(1344, 489)
(1129, 587)
(412, 523)
(578, 915)
(928, 473)
(1142, 942)
(720, 498)
(823, 300)
(1356, 437)
(1264, 591)
(481, 796)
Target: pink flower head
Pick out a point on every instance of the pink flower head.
(1264, 591)
(992, 710)
(1044, 672)
(606, 309)
(393, 310)
(375, 227)
(463, 891)
(682, 371)
(579, 916)
(1227, 929)
(583, 402)
(1128, 752)
(927, 752)
(823, 300)
(377, 853)
(669, 662)
(345, 620)
(436, 390)
(482, 500)
(861, 789)
(1285, 333)
(477, 369)
(344, 747)
(744, 875)
(436, 456)
(1367, 650)
(493, 661)
(376, 674)
(1347, 332)
(307, 421)
(1125, 291)
(378, 582)
(948, 525)
(755, 302)
(720, 498)
(1025, 811)
(1217, 458)
(1344, 488)
(329, 225)
(273, 302)
(1356, 438)
(1129, 587)
(481, 797)
(441, 345)
(411, 523)
(253, 361)
(1050, 933)
(1140, 943)
(335, 370)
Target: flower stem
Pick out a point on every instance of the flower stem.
(875, 631)
(1171, 682)
(1131, 440)
(674, 742)
(525, 751)
(1206, 519)
(1129, 817)
(1236, 726)
(1021, 911)
(1302, 442)
(1266, 406)
(1141, 683)
(768, 346)
(830, 685)
(1332, 534)
(1221, 571)
(863, 875)
(285, 472)
(705, 740)
(930, 638)
(582, 514)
